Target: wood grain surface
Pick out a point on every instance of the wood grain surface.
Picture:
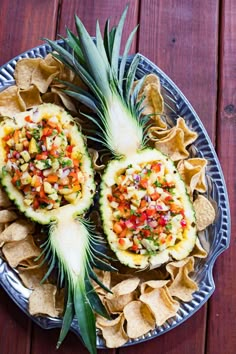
(194, 42)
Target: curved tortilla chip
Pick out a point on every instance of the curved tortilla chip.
(11, 102)
(16, 231)
(31, 96)
(205, 213)
(42, 301)
(173, 145)
(193, 172)
(161, 304)
(182, 286)
(139, 319)
(122, 293)
(16, 252)
(113, 331)
(23, 72)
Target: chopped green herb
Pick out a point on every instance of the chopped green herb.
(157, 184)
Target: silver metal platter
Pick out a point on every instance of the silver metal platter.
(216, 238)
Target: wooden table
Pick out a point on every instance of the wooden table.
(194, 42)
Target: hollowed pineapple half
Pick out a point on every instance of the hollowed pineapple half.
(147, 215)
(44, 164)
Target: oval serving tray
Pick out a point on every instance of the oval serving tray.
(216, 238)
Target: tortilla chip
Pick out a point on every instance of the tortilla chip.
(66, 100)
(139, 319)
(50, 60)
(153, 102)
(189, 135)
(149, 285)
(122, 293)
(31, 97)
(7, 216)
(198, 251)
(23, 72)
(161, 304)
(16, 252)
(42, 301)
(193, 172)
(113, 331)
(43, 76)
(205, 213)
(17, 231)
(11, 102)
(4, 200)
(173, 145)
(51, 97)
(182, 286)
(32, 275)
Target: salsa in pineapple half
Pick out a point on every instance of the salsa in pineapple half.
(147, 215)
(46, 170)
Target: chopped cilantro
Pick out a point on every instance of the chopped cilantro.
(18, 183)
(4, 171)
(157, 184)
(169, 226)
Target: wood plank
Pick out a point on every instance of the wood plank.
(25, 23)
(181, 38)
(44, 341)
(222, 309)
(91, 11)
(15, 327)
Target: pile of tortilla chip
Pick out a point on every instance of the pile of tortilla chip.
(38, 80)
(139, 301)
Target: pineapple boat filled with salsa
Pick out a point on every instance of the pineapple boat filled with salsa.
(44, 162)
(147, 215)
(46, 170)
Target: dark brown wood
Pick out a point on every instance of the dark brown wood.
(15, 334)
(90, 11)
(222, 309)
(181, 38)
(23, 24)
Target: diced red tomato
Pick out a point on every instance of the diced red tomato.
(143, 217)
(42, 156)
(28, 119)
(150, 212)
(156, 167)
(144, 183)
(155, 196)
(183, 223)
(162, 221)
(47, 131)
(121, 241)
